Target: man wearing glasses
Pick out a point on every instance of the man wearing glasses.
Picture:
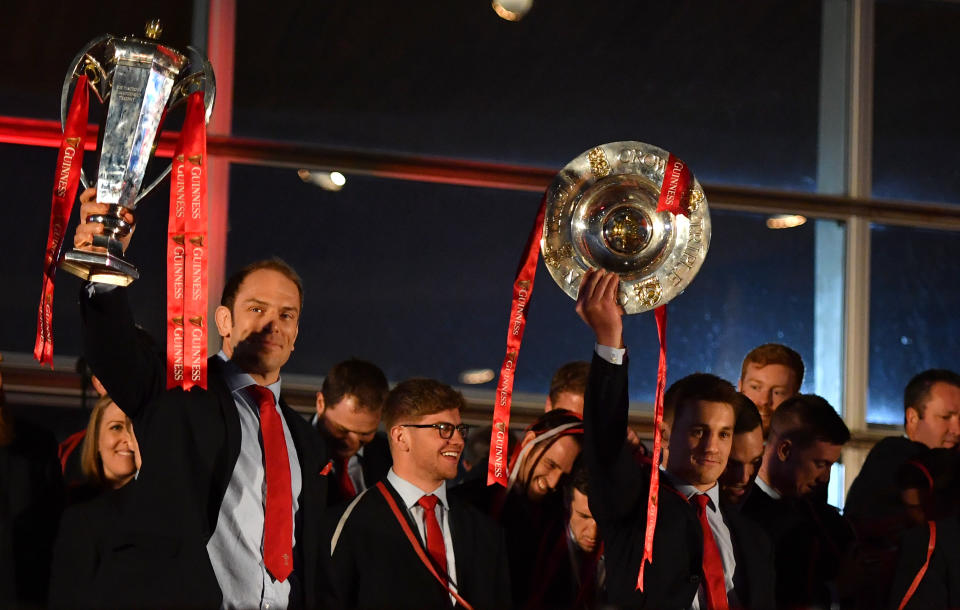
(406, 543)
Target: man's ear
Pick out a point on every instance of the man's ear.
(548, 406)
(320, 404)
(529, 436)
(783, 449)
(912, 416)
(399, 438)
(224, 320)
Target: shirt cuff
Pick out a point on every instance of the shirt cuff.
(613, 355)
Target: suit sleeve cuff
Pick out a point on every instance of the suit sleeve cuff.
(613, 355)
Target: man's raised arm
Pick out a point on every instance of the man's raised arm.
(132, 372)
(616, 479)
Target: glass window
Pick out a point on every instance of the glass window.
(417, 277)
(914, 299)
(22, 266)
(915, 134)
(43, 37)
(453, 79)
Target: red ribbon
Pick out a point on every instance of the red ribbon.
(187, 254)
(660, 313)
(674, 198)
(522, 291)
(64, 194)
(675, 189)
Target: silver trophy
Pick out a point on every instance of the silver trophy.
(139, 80)
(601, 212)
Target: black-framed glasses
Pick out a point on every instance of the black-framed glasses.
(444, 428)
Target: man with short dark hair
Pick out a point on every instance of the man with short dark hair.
(225, 509)
(809, 536)
(406, 542)
(770, 374)
(931, 402)
(704, 556)
(746, 454)
(572, 572)
(349, 405)
(567, 387)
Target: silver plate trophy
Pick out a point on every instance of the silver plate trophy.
(601, 212)
(138, 80)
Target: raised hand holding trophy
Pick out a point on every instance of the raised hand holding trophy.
(139, 80)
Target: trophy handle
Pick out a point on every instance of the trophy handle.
(200, 80)
(84, 62)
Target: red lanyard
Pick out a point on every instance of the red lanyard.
(402, 520)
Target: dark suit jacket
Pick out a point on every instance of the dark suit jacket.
(190, 442)
(810, 542)
(940, 587)
(531, 528)
(873, 504)
(79, 549)
(31, 498)
(375, 463)
(618, 501)
(374, 565)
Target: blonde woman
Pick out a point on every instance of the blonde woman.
(110, 459)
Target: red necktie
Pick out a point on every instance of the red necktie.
(278, 514)
(713, 584)
(343, 478)
(435, 545)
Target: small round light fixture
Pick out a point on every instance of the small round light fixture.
(328, 181)
(512, 10)
(476, 376)
(785, 221)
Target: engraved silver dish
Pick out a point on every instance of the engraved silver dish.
(601, 213)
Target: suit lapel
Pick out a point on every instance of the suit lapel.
(404, 511)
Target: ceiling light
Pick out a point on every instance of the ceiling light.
(476, 376)
(512, 10)
(785, 221)
(328, 181)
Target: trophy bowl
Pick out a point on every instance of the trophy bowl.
(139, 80)
(602, 213)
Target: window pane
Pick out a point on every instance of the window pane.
(915, 126)
(732, 92)
(43, 37)
(417, 277)
(22, 265)
(914, 299)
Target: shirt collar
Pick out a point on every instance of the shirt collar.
(767, 489)
(236, 379)
(411, 494)
(689, 490)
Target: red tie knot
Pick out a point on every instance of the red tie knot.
(262, 395)
(702, 501)
(428, 502)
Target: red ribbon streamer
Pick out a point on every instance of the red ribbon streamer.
(660, 313)
(675, 189)
(674, 198)
(522, 291)
(187, 254)
(67, 179)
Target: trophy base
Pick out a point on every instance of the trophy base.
(99, 267)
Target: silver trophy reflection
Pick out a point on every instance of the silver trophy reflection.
(139, 80)
(601, 212)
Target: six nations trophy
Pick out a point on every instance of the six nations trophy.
(139, 80)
